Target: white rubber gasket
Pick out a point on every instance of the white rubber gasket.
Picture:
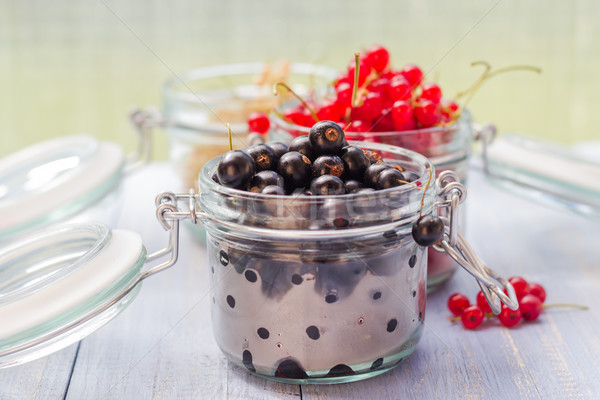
(102, 164)
(99, 273)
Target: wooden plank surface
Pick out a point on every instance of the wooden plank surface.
(162, 346)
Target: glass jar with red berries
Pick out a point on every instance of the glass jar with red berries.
(448, 147)
(198, 104)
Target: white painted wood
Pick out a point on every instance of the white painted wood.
(162, 346)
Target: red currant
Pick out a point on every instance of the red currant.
(358, 126)
(330, 110)
(482, 303)
(427, 113)
(344, 94)
(258, 122)
(520, 285)
(413, 74)
(371, 106)
(471, 317)
(379, 58)
(530, 307)
(381, 86)
(509, 317)
(400, 88)
(431, 91)
(538, 291)
(401, 112)
(457, 303)
(363, 71)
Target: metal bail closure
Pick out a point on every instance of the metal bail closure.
(452, 193)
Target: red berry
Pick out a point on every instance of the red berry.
(520, 285)
(471, 317)
(431, 91)
(331, 111)
(381, 86)
(400, 88)
(371, 106)
(457, 303)
(530, 307)
(538, 291)
(509, 317)
(358, 126)
(401, 112)
(258, 122)
(482, 303)
(427, 113)
(413, 74)
(344, 94)
(379, 58)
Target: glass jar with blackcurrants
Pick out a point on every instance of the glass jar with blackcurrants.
(318, 254)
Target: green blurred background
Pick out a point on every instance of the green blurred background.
(81, 66)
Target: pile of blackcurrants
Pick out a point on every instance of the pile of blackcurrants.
(322, 163)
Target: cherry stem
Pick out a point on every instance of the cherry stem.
(488, 73)
(424, 193)
(356, 75)
(229, 134)
(304, 103)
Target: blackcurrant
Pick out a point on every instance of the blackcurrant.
(428, 230)
(279, 149)
(263, 179)
(352, 185)
(295, 168)
(326, 137)
(355, 161)
(327, 185)
(235, 170)
(263, 156)
(328, 165)
(273, 189)
(389, 178)
(372, 173)
(302, 145)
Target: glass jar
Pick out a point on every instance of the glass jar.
(199, 103)
(447, 147)
(318, 289)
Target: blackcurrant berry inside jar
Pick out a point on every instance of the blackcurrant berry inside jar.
(318, 289)
(448, 147)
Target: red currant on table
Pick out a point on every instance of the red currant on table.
(471, 317)
(258, 122)
(509, 317)
(457, 303)
(538, 291)
(520, 285)
(530, 306)
(482, 303)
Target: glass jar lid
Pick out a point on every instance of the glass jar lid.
(55, 179)
(62, 284)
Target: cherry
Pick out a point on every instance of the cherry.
(326, 137)
(482, 303)
(471, 317)
(379, 57)
(431, 91)
(413, 74)
(509, 317)
(428, 230)
(236, 169)
(530, 306)
(457, 303)
(538, 291)
(520, 285)
(258, 122)
(327, 185)
(328, 165)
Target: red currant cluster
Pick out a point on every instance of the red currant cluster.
(371, 96)
(531, 297)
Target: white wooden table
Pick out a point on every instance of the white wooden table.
(162, 346)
